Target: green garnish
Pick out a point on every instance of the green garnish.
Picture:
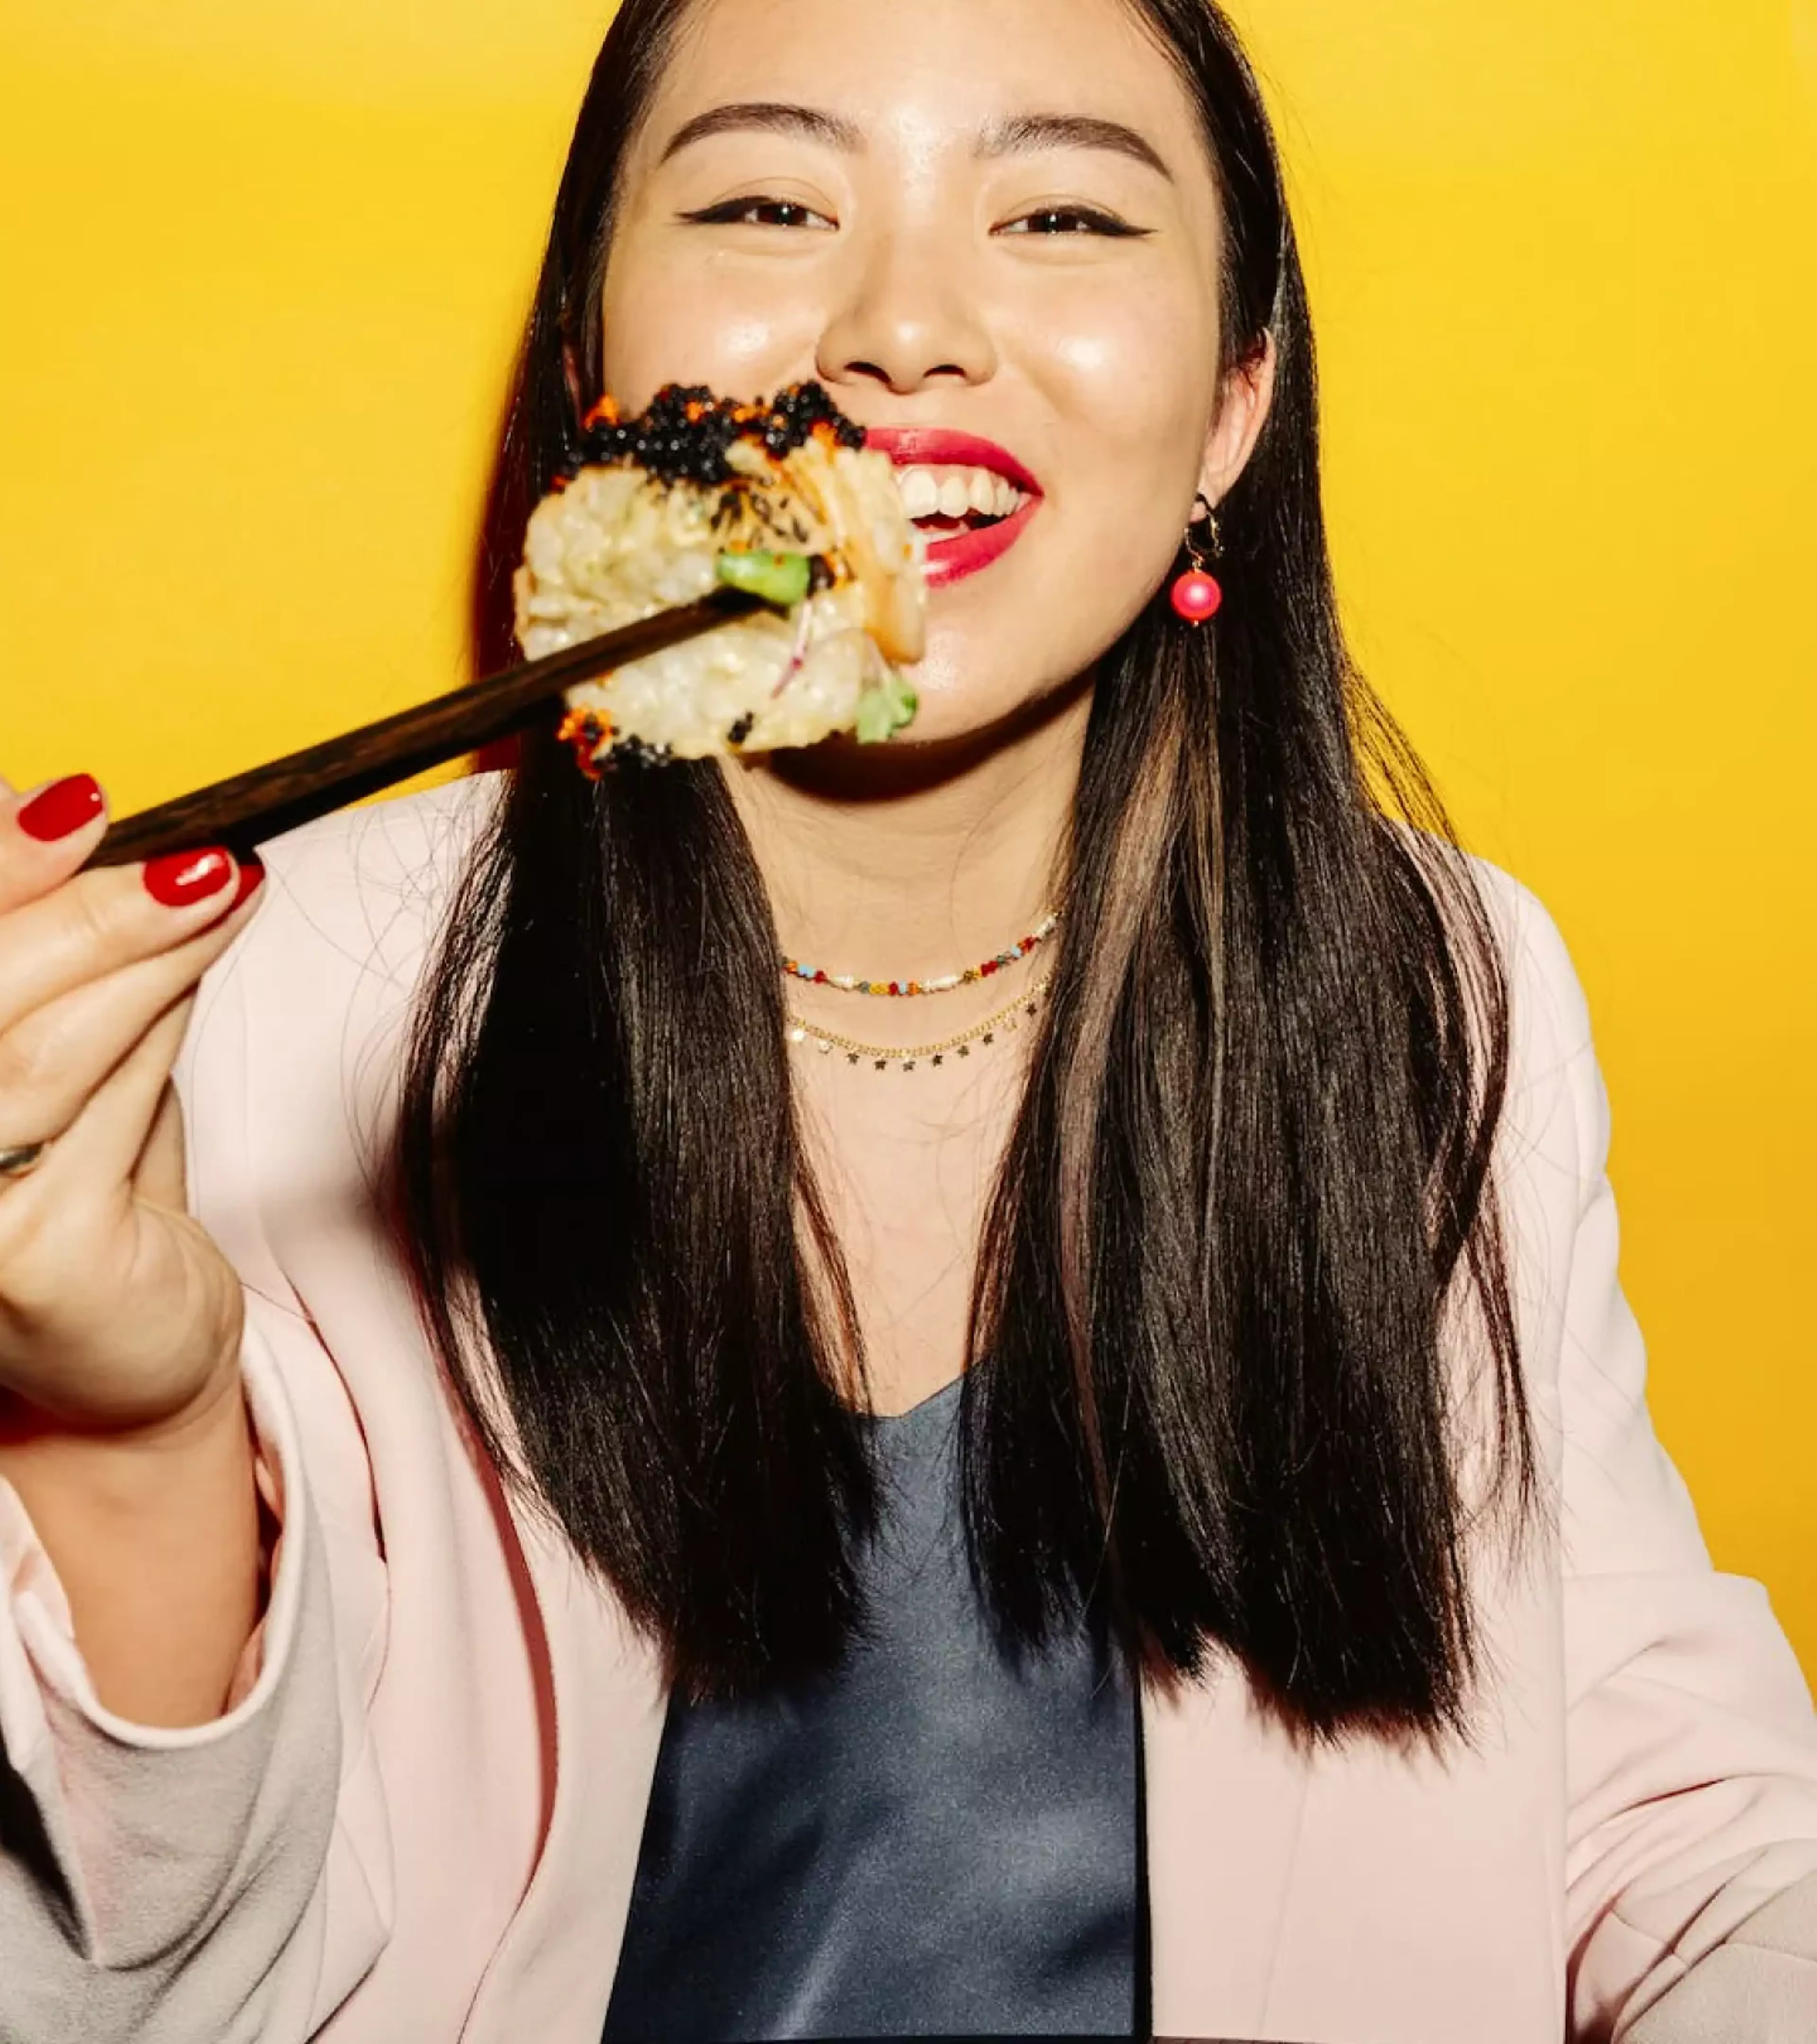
(778, 578)
(885, 709)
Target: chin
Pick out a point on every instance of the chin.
(961, 688)
(959, 726)
(964, 697)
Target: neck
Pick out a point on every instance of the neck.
(910, 861)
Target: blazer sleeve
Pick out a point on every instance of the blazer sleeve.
(1691, 1743)
(231, 1881)
(161, 1885)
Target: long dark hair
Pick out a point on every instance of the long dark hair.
(1247, 1206)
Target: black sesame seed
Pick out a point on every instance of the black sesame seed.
(742, 730)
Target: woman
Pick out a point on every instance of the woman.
(1147, 1518)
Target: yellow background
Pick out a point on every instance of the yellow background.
(264, 262)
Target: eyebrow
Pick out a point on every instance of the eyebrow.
(1022, 135)
(774, 117)
(1028, 132)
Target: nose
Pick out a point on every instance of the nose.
(906, 320)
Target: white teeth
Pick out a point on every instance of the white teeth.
(920, 491)
(956, 493)
(955, 497)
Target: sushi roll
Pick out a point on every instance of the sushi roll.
(778, 499)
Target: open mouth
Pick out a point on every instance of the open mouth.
(970, 499)
(960, 498)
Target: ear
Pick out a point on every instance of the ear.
(1243, 406)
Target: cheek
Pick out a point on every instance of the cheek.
(1132, 387)
(1117, 388)
(670, 321)
(1136, 383)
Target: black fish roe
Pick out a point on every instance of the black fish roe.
(685, 436)
(639, 752)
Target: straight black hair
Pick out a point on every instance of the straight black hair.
(1245, 1235)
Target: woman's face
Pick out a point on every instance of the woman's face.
(988, 218)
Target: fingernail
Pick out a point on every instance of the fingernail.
(62, 808)
(180, 877)
(251, 874)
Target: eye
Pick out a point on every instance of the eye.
(754, 210)
(1071, 219)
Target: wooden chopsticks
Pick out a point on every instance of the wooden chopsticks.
(250, 807)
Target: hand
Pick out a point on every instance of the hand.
(117, 1313)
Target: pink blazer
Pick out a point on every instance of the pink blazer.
(419, 1821)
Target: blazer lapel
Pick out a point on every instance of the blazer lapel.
(552, 1978)
(1224, 1792)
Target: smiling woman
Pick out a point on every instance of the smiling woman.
(1129, 1504)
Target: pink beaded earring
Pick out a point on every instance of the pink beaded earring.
(1198, 595)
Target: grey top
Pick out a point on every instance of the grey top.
(933, 1840)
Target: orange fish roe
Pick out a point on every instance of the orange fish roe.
(589, 732)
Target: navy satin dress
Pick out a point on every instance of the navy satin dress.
(934, 1840)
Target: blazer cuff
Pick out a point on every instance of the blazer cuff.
(128, 1845)
(1759, 1986)
(40, 1663)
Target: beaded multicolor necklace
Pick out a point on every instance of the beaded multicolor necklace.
(905, 989)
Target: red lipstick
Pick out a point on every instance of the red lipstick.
(959, 555)
(933, 447)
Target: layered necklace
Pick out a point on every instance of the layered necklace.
(1006, 1021)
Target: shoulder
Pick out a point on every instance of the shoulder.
(1551, 1145)
(351, 877)
(298, 1032)
(1548, 1017)
(1555, 1097)
(1548, 1013)
(356, 899)
(1526, 1012)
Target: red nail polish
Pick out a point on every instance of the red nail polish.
(180, 877)
(62, 808)
(251, 874)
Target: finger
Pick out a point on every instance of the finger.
(97, 922)
(86, 1173)
(54, 1058)
(45, 835)
(60, 1220)
(111, 1135)
(160, 1177)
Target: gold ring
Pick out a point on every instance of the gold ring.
(20, 1160)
